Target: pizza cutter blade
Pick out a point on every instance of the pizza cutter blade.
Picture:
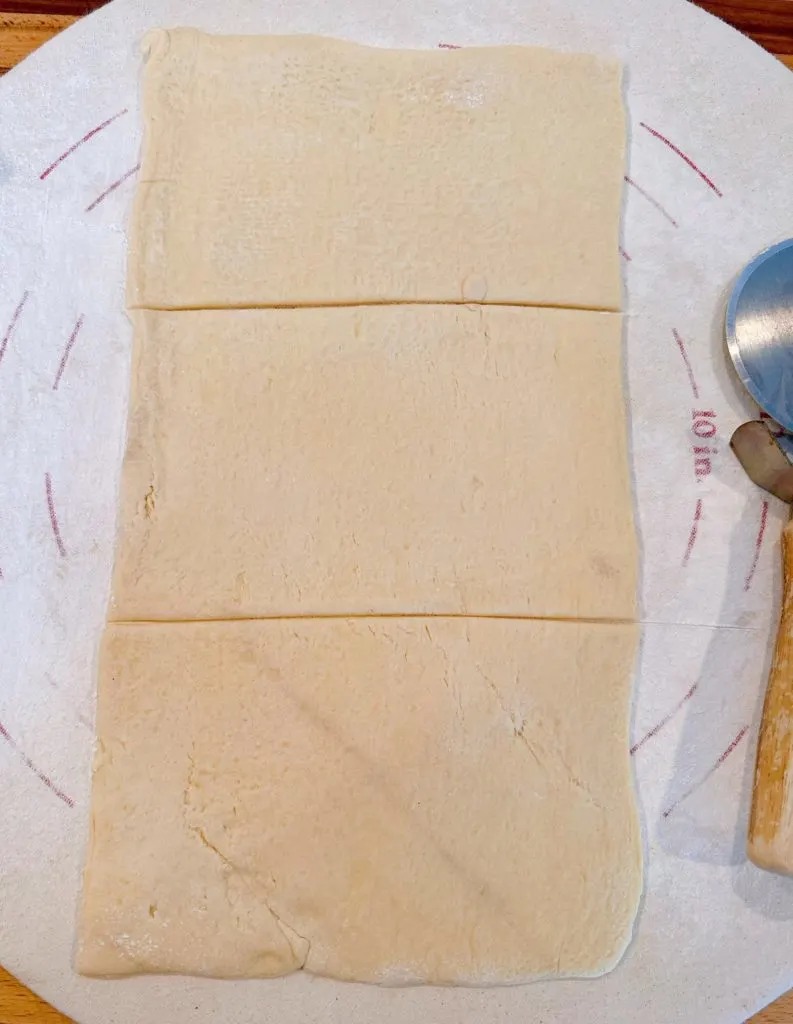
(759, 329)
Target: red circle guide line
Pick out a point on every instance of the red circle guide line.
(10, 329)
(53, 517)
(449, 46)
(692, 537)
(757, 545)
(682, 346)
(88, 135)
(682, 155)
(625, 256)
(652, 200)
(67, 350)
(112, 188)
(664, 721)
(722, 758)
(36, 771)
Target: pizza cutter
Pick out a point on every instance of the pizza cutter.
(759, 328)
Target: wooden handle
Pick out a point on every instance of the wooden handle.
(770, 844)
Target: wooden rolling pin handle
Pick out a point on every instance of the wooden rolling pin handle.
(770, 843)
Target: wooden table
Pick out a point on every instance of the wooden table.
(26, 24)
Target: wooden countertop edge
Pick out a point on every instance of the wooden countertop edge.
(20, 34)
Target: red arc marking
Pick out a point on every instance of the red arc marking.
(681, 345)
(67, 350)
(693, 535)
(652, 200)
(112, 188)
(53, 518)
(625, 256)
(664, 721)
(757, 545)
(682, 155)
(88, 135)
(36, 771)
(10, 329)
(722, 758)
(449, 46)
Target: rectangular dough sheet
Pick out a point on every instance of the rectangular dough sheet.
(304, 171)
(396, 800)
(376, 460)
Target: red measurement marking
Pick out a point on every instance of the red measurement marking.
(112, 188)
(708, 773)
(652, 200)
(682, 155)
(67, 350)
(684, 354)
(37, 771)
(664, 721)
(449, 46)
(625, 256)
(703, 425)
(757, 545)
(89, 135)
(702, 461)
(10, 329)
(53, 518)
(693, 535)
(703, 428)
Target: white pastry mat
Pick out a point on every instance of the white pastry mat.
(711, 155)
